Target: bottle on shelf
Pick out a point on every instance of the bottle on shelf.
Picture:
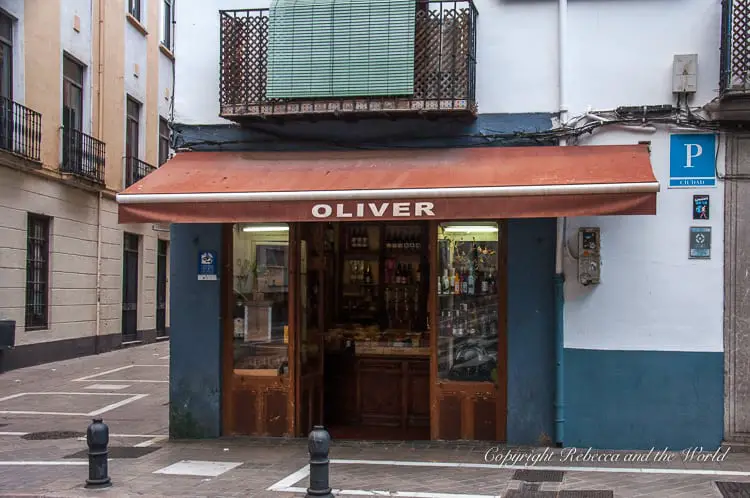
(368, 275)
(365, 239)
(470, 285)
(464, 282)
(419, 274)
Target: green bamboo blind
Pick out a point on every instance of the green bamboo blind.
(340, 48)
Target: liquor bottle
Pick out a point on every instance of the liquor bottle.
(365, 239)
(368, 275)
(471, 285)
(485, 283)
(445, 289)
(456, 283)
(419, 274)
(464, 283)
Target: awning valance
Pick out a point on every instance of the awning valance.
(395, 184)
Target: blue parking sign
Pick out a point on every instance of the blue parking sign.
(692, 160)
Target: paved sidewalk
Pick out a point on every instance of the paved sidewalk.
(45, 410)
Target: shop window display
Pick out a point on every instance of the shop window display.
(261, 297)
(467, 286)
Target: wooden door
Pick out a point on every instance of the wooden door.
(130, 287)
(308, 334)
(469, 387)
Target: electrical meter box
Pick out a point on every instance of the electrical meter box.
(589, 257)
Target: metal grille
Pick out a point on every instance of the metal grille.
(83, 156)
(37, 272)
(135, 170)
(20, 129)
(444, 67)
(735, 46)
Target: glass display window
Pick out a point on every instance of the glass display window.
(261, 296)
(468, 299)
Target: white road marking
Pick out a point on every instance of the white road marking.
(107, 387)
(14, 433)
(129, 399)
(87, 378)
(21, 463)
(198, 468)
(398, 494)
(291, 479)
(618, 470)
(151, 441)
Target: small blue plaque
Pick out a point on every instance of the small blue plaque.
(207, 265)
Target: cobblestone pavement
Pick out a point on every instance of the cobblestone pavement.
(45, 410)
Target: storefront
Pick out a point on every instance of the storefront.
(368, 290)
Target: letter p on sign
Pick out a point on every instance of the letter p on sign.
(693, 151)
(692, 160)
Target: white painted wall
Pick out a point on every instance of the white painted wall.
(78, 44)
(166, 86)
(15, 8)
(618, 53)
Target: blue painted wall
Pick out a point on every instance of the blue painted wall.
(531, 330)
(486, 130)
(195, 335)
(643, 399)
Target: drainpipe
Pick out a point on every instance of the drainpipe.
(559, 278)
(100, 134)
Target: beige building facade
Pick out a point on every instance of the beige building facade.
(85, 111)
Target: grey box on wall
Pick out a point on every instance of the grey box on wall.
(7, 334)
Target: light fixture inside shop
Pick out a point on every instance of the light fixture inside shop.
(471, 229)
(266, 228)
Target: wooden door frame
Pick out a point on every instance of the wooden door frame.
(227, 329)
(500, 390)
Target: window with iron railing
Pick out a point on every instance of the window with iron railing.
(37, 272)
(134, 8)
(389, 56)
(164, 139)
(167, 27)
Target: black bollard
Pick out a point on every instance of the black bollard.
(97, 438)
(318, 444)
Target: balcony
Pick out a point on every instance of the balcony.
(734, 79)
(83, 156)
(436, 73)
(20, 130)
(135, 169)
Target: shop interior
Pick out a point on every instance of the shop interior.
(363, 319)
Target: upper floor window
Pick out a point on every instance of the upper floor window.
(72, 94)
(6, 56)
(163, 141)
(134, 8)
(133, 130)
(167, 29)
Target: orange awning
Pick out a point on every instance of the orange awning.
(444, 184)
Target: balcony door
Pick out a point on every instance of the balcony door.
(132, 140)
(6, 82)
(72, 115)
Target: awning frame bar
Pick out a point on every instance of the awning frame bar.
(389, 194)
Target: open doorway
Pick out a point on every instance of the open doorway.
(364, 344)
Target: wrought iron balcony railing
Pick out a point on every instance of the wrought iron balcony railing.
(444, 68)
(83, 156)
(735, 47)
(20, 130)
(135, 169)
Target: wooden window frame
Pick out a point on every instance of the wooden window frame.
(132, 143)
(165, 135)
(167, 35)
(134, 9)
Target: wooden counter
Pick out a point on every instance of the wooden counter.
(393, 391)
